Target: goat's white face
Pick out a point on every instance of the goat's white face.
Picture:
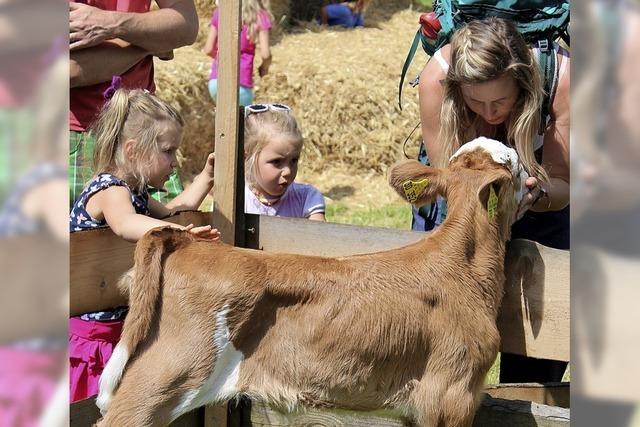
(503, 155)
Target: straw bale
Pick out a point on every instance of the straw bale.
(341, 84)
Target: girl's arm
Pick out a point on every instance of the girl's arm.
(431, 93)
(193, 195)
(265, 52)
(115, 204)
(210, 45)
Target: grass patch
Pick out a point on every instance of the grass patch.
(392, 215)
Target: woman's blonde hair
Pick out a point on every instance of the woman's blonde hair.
(481, 51)
(131, 114)
(250, 11)
(259, 130)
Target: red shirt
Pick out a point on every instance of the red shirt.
(85, 102)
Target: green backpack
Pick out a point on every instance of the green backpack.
(539, 21)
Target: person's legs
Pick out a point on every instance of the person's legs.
(515, 368)
(213, 89)
(245, 96)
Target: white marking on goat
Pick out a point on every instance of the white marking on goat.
(221, 384)
(502, 154)
(111, 376)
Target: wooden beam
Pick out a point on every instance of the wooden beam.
(228, 190)
(535, 312)
(552, 394)
(98, 258)
(492, 413)
(85, 413)
(534, 320)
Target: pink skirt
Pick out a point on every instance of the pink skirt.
(27, 382)
(90, 346)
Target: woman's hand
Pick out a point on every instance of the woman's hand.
(204, 232)
(530, 197)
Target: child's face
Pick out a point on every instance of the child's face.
(277, 165)
(165, 161)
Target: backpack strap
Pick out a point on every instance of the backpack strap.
(407, 62)
(547, 62)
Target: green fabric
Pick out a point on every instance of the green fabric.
(16, 148)
(81, 147)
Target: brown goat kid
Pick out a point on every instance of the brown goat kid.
(412, 328)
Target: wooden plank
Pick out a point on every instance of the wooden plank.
(535, 314)
(492, 413)
(552, 394)
(304, 237)
(85, 413)
(227, 188)
(98, 258)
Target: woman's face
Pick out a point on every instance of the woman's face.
(492, 100)
(277, 165)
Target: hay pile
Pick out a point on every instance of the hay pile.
(342, 86)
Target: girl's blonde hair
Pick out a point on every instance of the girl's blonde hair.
(259, 130)
(250, 11)
(481, 51)
(131, 114)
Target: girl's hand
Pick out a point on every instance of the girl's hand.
(209, 166)
(204, 231)
(530, 197)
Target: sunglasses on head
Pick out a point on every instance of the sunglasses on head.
(261, 108)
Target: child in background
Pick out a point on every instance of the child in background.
(347, 14)
(273, 144)
(256, 22)
(137, 136)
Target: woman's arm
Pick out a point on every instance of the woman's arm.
(265, 52)
(431, 93)
(210, 45)
(555, 154)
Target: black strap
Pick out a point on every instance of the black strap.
(547, 61)
(407, 62)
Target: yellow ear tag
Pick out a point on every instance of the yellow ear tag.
(413, 189)
(492, 203)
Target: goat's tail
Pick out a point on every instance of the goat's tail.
(144, 283)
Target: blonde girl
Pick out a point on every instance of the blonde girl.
(137, 136)
(256, 22)
(273, 144)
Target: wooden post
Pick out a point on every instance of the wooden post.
(227, 190)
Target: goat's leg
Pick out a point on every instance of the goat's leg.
(443, 402)
(149, 391)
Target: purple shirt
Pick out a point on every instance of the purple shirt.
(247, 48)
(299, 201)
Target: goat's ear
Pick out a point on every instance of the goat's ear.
(417, 183)
(491, 190)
